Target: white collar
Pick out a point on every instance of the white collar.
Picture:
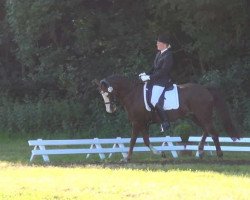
(162, 51)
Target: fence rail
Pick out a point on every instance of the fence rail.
(102, 147)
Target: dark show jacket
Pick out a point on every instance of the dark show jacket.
(160, 73)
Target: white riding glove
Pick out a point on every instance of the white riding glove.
(142, 74)
(145, 78)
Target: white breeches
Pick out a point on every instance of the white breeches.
(156, 93)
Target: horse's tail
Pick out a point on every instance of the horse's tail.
(223, 111)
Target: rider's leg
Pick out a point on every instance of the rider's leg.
(157, 101)
(163, 116)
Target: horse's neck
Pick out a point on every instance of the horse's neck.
(127, 91)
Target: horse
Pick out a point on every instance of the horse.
(195, 101)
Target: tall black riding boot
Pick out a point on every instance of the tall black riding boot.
(163, 116)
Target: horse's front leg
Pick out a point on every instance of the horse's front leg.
(147, 143)
(134, 136)
(131, 147)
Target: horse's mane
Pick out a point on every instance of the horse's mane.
(117, 78)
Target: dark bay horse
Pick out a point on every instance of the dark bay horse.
(196, 101)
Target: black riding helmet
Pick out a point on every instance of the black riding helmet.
(163, 38)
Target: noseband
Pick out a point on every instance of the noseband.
(110, 90)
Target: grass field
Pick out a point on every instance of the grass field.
(146, 177)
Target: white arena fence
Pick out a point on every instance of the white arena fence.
(107, 147)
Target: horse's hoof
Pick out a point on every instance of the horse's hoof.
(220, 155)
(201, 154)
(124, 160)
(155, 151)
(158, 153)
(164, 162)
(163, 155)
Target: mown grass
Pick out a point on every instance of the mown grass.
(96, 182)
(146, 177)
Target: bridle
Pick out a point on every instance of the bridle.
(109, 91)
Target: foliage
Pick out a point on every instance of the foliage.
(53, 49)
(47, 117)
(102, 124)
(234, 86)
(61, 117)
(246, 122)
(184, 130)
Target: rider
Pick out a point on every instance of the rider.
(160, 75)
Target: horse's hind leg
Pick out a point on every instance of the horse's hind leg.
(208, 129)
(203, 118)
(215, 136)
(203, 138)
(201, 145)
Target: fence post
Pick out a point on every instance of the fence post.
(174, 153)
(120, 145)
(41, 147)
(96, 145)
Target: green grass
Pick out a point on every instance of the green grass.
(146, 177)
(96, 182)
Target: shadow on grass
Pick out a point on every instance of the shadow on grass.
(227, 166)
(17, 151)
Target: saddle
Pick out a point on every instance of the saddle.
(153, 94)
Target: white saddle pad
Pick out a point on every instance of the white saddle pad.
(171, 97)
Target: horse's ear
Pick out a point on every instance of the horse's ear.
(95, 81)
